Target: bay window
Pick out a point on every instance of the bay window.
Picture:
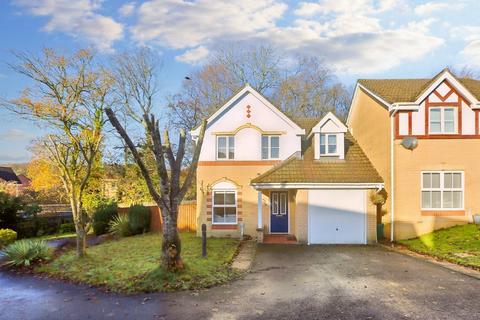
(442, 190)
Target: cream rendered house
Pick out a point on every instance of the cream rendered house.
(423, 137)
(266, 175)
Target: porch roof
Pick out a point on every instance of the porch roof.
(356, 168)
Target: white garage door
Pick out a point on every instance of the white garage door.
(336, 216)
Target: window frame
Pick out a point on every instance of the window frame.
(224, 206)
(442, 189)
(327, 153)
(442, 119)
(269, 146)
(227, 147)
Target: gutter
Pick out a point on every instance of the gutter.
(259, 186)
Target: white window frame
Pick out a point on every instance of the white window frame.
(442, 119)
(224, 206)
(327, 153)
(269, 147)
(227, 153)
(441, 189)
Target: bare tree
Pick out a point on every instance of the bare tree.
(300, 86)
(465, 72)
(69, 97)
(136, 78)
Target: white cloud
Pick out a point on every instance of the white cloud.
(127, 9)
(471, 52)
(78, 19)
(348, 35)
(194, 56)
(431, 7)
(308, 9)
(183, 24)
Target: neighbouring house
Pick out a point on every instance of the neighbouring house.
(24, 182)
(9, 181)
(264, 174)
(423, 137)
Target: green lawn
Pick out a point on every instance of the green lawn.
(459, 244)
(132, 264)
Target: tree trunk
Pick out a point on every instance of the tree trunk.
(79, 227)
(171, 246)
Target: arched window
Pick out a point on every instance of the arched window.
(224, 203)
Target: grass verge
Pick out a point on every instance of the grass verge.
(459, 244)
(132, 264)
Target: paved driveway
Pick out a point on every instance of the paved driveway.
(287, 282)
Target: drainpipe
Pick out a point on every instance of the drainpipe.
(392, 175)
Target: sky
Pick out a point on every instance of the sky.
(356, 38)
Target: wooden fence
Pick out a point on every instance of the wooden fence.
(187, 220)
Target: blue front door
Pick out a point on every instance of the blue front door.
(279, 212)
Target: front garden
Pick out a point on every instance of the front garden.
(459, 244)
(132, 264)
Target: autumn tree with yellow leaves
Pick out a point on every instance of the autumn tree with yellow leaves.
(69, 96)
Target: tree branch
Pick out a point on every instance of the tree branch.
(193, 166)
(146, 175)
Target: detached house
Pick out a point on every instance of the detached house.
(264, 174)
(423, 137)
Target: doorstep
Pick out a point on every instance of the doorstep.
(280, 239)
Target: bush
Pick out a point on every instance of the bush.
(7, 236)
(139, 219)
(66, 228)
(102, 218)
(27, 228)
(48, 226)
(26, 252)
(9, 207)
(120, 226)
(32, 210)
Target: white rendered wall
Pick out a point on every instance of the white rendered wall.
(248, 140)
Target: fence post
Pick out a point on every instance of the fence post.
(204, 240)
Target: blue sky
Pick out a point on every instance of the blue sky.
(358, 39)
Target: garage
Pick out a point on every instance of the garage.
(337, 217)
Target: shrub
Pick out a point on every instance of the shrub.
(26, 252)
(32, 210)
(9, 207)
(120, 226)
(66, 228)
(139, 219)
(7, 236)
(47, 225)
(102, 218)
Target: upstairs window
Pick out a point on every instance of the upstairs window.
(442, 190)
(442, 120)
(225, 147)
(270, 147)
(328, 144)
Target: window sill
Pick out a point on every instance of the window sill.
(224, 226)
(442, 213)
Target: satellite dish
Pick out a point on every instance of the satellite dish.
(410, 143)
